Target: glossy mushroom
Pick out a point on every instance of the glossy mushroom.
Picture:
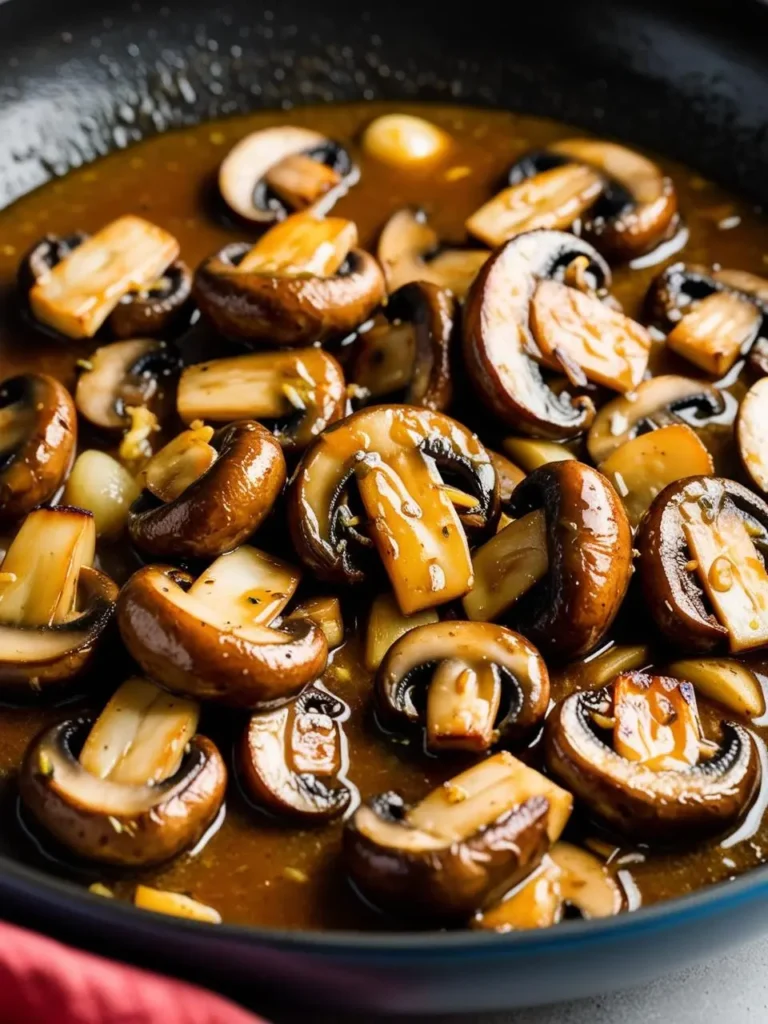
(275, 171)
(469, 685)
(303, 283)
(589, 553)
(461, 847)
(752, 434)
(702, 566)
(390, 462)
(298, 393)
(497, 337)
(293, 760)
(657, 778)
(223, 487)
(408, 355)
(215, 638)
(38, 433)
(149, 789)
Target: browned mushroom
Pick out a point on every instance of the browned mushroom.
(300, 393)
(294, 760)
(213, 638)
(408, 354)
(210, 495)
(712, 317)
(135, 787)
(702, 566)
(462, 846)
(469, 685)
(409, 250)
(752, 434)
(568, 879)
(508, 474)
(394, 457)
(126, 275)
(38, 433)
(658, 402)
(589, 558)
(276, 170)
(303, 282)
(53, 605)
(498, 341)
(658, 778)
(122, 375)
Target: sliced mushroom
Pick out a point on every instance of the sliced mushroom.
(590, 558)
(125, 260)
(226, 497)
(701, 566)
(406, 142)
(301, 393)
(294, 760)
(409, 250)
(126, 373)
(637, 210)
(160, 309)
(410, 354)
(498, 345)
(641, 468)
(386, 624)
(325, 612)
(725, 680)
(213, 638)
(393, 456)
(275, 170)
(38, 433)
(657, 402)
(303, 283)
(568, 879)
(115, 816)
(657, 778)
(752, 434)
(553, 198)
(462, 846)
(469, 685)
(53, 605)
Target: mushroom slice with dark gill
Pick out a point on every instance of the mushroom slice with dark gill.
(272, 172)
(125, 374)
(499, 348)
(207, 492)
(568, 880)
(712, 317)
(294, 760)
(637, 209)
(702, 565)
(38, 433)
(462, 846)
(215, 637)
(588, 558)
(469, 685)
(407, 354)
(134, 787)
(752, 434)
(304, 282)
(658, 402)
(76, 289)
(299, 393)
(409, 250)
(634, 755)
(394, 463)
(53, 605)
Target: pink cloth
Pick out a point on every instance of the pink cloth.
(45, 982)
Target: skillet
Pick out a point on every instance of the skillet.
(687, 79)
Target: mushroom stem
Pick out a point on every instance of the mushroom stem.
(462, 705)
(179, 464)
(302, 244)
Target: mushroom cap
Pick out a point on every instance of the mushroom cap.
(681, 284)
(589, 545)
(115, 823)
(268, 309)
(159, 311)
(433, 312)
(37, 442)
(498, 340)
(174, 640)
(223, 506)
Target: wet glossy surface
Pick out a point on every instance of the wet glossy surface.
(252, 870)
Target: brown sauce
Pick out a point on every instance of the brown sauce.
(251, 869)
